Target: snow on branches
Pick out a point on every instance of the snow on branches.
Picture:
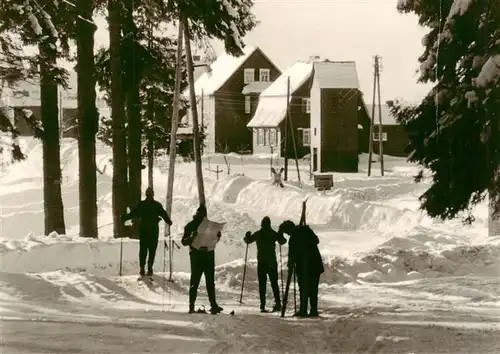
(227, 20)
(232, 24)
(489, 72)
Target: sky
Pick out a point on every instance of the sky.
(292, 30)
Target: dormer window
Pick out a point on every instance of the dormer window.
(264, 75)
(249, 76)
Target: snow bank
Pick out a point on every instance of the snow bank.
(382, 220)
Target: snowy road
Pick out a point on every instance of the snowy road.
(107, 331)
(45, 314)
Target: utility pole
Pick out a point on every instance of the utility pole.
(292, 133)
(194, 112)
(380, 131)
(173, 143)
(286, 127)
(376, 84)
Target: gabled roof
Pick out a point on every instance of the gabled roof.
(335, 75)
(387, 117)
(220, 71)
(272, 105)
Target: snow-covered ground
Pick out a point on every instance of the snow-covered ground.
(394, 277)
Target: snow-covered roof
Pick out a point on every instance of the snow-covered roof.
(256, 87)
(335, 75)
(220, 71)
(387, 117)
(271, 108)
(27, 94)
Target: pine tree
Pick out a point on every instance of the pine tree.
(119, 183)
(87, 117)
(12, 70)
(454, 131)
(36, 25)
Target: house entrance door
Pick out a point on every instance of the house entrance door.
(315, 159)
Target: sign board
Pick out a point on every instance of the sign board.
(323, 182)
(207, 234)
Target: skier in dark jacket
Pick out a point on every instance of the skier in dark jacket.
(202, 262)
(267, 265)
(149, 212)
(304, 255)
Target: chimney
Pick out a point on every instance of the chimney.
(313, 58)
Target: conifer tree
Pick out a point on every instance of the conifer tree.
(455, 130)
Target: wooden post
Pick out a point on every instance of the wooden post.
(61, 112)
(380, 130)
(372, 122)
(217, 171)
(194, 112)
(271, 162)
(286, 127)
(173, 142)
(202, 122)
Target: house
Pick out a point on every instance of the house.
(227, 94)
(269, 123)
(335, 98)
(394, 136)
(23, 100)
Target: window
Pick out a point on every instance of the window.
(249, 76)
(248, 104)
(264, 75)
(306, 137)
(272, 137)
(196, 58)
(376, 136)
(306, 105)
(314, 131)
(260, 137)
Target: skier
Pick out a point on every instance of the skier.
(303, 253)
(202, 262)
(148, 211)
(267, 265)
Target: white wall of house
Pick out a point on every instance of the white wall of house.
(264, 138)
(316, 123)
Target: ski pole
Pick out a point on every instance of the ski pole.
(281, 274)
(244, 274)
(171, 253)
(294, 291)
(121, 254)
(164, 268)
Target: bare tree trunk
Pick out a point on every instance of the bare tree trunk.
(87, 121)
(132, 73)
(173, 145)
(52, 196)
(119, 187)
(194, 112)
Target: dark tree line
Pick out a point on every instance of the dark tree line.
(136, 72)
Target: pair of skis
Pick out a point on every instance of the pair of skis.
(291, 269)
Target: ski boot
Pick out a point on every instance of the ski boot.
(216, 309)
